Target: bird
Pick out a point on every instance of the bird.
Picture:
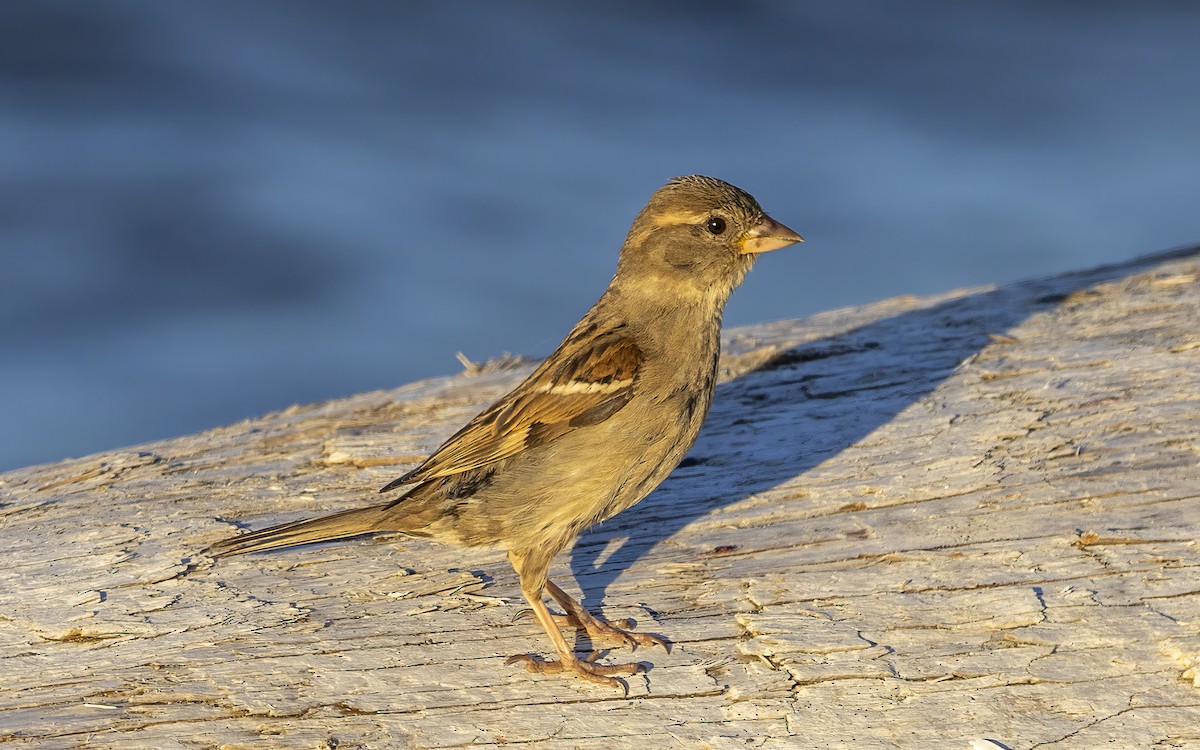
(593, 429)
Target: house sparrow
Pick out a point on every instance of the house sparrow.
(596, 427)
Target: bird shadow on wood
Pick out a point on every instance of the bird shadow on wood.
(806, 404)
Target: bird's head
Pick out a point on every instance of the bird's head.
(698, 233)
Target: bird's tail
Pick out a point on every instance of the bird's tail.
(342, 525)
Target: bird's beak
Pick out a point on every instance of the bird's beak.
(767, 235)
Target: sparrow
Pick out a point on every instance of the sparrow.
(595, 428)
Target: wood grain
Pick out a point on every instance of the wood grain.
(921, 523)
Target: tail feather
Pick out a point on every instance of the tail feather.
(348, 523)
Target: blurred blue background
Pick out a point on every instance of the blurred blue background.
(212, 210)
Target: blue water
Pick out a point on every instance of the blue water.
(213, 210)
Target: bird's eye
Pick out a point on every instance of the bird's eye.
(715, 224)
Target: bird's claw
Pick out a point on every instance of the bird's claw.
(521, 614)
(601, 674)
(617, 630)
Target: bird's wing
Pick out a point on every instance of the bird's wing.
(577, 386)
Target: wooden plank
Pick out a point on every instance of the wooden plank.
(913, 524)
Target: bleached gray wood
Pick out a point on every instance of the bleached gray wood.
(922, 523)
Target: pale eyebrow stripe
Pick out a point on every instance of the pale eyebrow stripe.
(681, 217)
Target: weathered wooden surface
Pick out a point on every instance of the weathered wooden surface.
(914, 525)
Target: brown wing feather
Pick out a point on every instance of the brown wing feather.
(563, 394)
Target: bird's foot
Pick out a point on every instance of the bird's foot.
(600, 629)
(601, 674)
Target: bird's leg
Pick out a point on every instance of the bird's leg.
(532, 572)
(598, 629)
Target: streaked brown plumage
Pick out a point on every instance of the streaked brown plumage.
(597, 426)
